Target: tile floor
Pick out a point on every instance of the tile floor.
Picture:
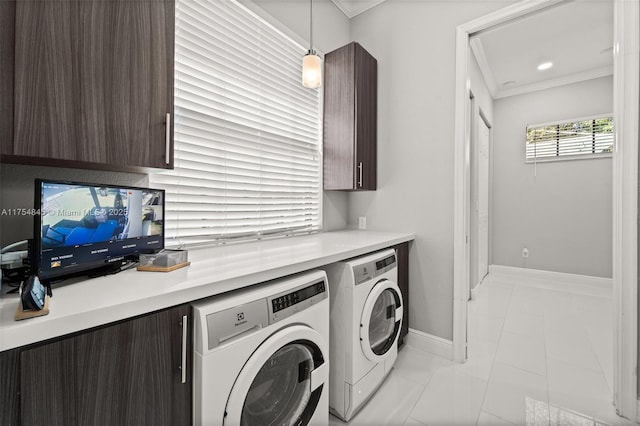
(536, 357)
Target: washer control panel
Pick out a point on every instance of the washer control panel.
(286, 304)
(368, 271)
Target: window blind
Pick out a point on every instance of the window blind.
(582, 138)
(247, 139)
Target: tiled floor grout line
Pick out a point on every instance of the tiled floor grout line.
(546, 359)
(424, 389)
(493, 360)
(599, 361)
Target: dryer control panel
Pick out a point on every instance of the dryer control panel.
(286, 304)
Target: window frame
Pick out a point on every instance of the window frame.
(568, 157)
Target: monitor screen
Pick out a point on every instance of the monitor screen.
(86, 226)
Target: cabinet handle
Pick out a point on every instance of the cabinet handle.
(167, 140)
(360, 174)
(183, 365)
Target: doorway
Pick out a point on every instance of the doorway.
(624, 189)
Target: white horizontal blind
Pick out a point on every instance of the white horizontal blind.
(247, 133)
(582, 138)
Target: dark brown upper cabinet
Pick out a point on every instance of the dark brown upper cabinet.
(350, 119)
(7, 49)
(93, 83)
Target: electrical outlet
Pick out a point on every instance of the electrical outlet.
(525, 252)
(362, 222)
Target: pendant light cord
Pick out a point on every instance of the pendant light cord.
(311, 27)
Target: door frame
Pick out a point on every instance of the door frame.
(625, 188)
(477, 119)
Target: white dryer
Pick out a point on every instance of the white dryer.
(261, 354)
(366, 316)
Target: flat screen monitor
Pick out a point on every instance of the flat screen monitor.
(83, 227)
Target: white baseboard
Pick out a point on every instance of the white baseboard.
(430, 343)
(582, 284)
(474, 291)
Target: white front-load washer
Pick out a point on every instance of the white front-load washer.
(366, 316)
(261, 354)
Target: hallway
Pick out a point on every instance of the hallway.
(536, 357)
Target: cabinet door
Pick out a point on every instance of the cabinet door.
(7, 45)
(123, 374)
(350, 119)
(366, 122)
(94, 81)
(339, 118)
(9, 387)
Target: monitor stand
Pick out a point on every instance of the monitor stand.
(110, 269)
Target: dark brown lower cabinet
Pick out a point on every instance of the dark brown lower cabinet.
(128, 373)
(402, 256)
(9, 387)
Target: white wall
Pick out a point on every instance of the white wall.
(331, 30)
(414, 43)
(330, 25)
(563, 213)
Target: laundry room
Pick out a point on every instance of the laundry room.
(319, 212)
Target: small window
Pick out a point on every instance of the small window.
(589, 137)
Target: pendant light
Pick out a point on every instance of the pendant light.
(311, 64)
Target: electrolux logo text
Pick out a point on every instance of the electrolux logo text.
(240, 319)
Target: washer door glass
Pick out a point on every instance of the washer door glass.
(382, 325)
(281, 390)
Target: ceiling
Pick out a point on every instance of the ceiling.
(352, 8)
(576, 36)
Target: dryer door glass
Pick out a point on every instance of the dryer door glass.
(382, 325)
(281, 390)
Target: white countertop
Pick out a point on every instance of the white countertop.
(97, 301)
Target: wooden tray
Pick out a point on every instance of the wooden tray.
(32, 313)
(155, 268)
